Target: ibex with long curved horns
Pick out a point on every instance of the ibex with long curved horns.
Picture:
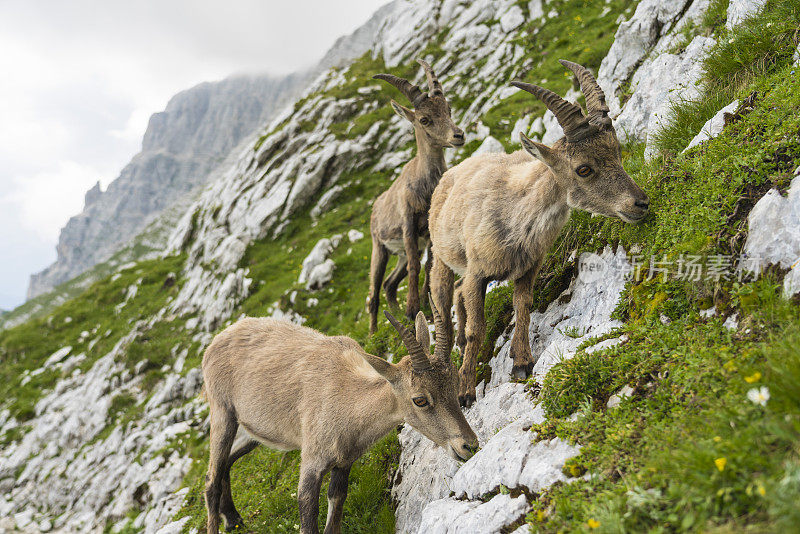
(290, 387)
(399, 222)
(495, 216)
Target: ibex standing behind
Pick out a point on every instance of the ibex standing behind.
(495, 216)
(399, 222)
(290, 387)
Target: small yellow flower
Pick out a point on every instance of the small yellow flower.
(593, 523)
(539, 515)
(717, 439)
(761, 490)
(720, 463)
(755, 377)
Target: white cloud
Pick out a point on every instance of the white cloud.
(45, 200)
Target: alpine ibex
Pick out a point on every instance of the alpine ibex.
(399, 222)
(495, 216)
(290, 387)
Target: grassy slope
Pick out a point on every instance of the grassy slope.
(688, 451)
(686, 371)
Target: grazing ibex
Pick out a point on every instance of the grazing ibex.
(291, 387)
(399, 222)
(495, 216)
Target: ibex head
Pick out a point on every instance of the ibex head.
(587, 161)
(426, 387)
(431, 113)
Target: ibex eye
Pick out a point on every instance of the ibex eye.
(420, 401)
(425, 121)
(584, 171)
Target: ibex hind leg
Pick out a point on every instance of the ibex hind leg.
(461, 316)
(394, 279)
(442, 293)
(243, 445)
(377, 268)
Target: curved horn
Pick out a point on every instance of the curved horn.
(596, 105)
(442, 343)
(419, 361)
(434, 87)
(409, 90)
(569, 116)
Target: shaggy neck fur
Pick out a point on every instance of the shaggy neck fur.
(542, 210)
(429, 156)
(378, 411)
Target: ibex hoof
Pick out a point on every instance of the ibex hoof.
(522, 372)
(466, 400)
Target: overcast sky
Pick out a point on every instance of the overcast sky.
(79, 80)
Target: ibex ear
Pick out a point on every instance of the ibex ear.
(423, 334)
(404, 112)
(387, 370)
(539, 151)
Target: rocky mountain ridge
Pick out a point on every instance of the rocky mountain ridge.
(181, 148)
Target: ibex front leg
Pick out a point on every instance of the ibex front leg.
(426, 286)
(520, 345)
(337, 493)
(311, 474)
(412, 253)
(442, 280)
(473, 291)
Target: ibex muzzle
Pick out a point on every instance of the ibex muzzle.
(290, 387)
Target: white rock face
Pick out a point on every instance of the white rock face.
(659, 84)
(321, 275)
(80, 481)
(521, 126)
(634, 40)
(535, 10)
(618, 397)
(657, 78)
(57, 356)
(509, 456)
(508, 459)
(774, 236)
(451, 516)
(738, 10)
(354, 235)
(316, 257)
(489, 145)
(713, 126)
(512, 19)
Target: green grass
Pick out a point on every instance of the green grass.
(583, 34)
(264, 488)
(27, 346)
(755, 48)
(688, 451)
